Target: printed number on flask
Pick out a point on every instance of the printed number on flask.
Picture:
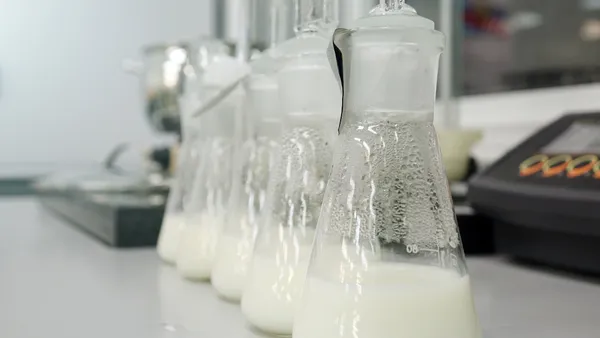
(412, 249)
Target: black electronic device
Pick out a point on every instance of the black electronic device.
(117, 219)
(544, 195)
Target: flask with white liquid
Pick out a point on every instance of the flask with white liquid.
(200, 53)
(387, 259)
(309, 99)
(253, 164)
(254, 160)
(211, 189)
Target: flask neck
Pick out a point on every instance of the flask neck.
(390, 61)
(263, 101)
(390, 75)
(391, 5)
(281, 22)
(352, 10)
(308, 89)
(315, 15)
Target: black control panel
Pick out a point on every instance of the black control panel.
(565, 154)
(545, 194)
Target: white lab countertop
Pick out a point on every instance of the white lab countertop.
(57, 282)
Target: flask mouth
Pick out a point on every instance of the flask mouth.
(387, 7)
(313, 16)
(394, 14)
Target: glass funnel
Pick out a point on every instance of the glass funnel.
(253, 163)
(212, 186)
(387, 259)
(310, 100)
(199, 54)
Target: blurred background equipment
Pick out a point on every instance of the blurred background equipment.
(544, 195)
(229, 27)
(161, 77)
(525, 44)
(120, 208)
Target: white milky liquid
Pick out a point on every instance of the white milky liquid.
(197, 245)
(168, 240)
(274, 288)
(393, 300)
(231, 265)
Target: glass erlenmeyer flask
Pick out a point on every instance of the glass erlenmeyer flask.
(254, 160)
(199, 54)
(173, 219)
(310, 99)
(210, 192)
(387, 259)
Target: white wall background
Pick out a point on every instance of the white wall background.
(63, 96)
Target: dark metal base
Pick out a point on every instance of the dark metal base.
(476, 232)
(570, 251)
(16, 186)
(118, 220)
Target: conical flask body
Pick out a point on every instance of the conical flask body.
(387, 256)
(285, 237)
(387, 259)
(254, 160)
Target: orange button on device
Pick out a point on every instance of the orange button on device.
(556, 165)
(581, 165)
(532, 165)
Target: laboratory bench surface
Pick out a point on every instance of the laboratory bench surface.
(57, 282)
